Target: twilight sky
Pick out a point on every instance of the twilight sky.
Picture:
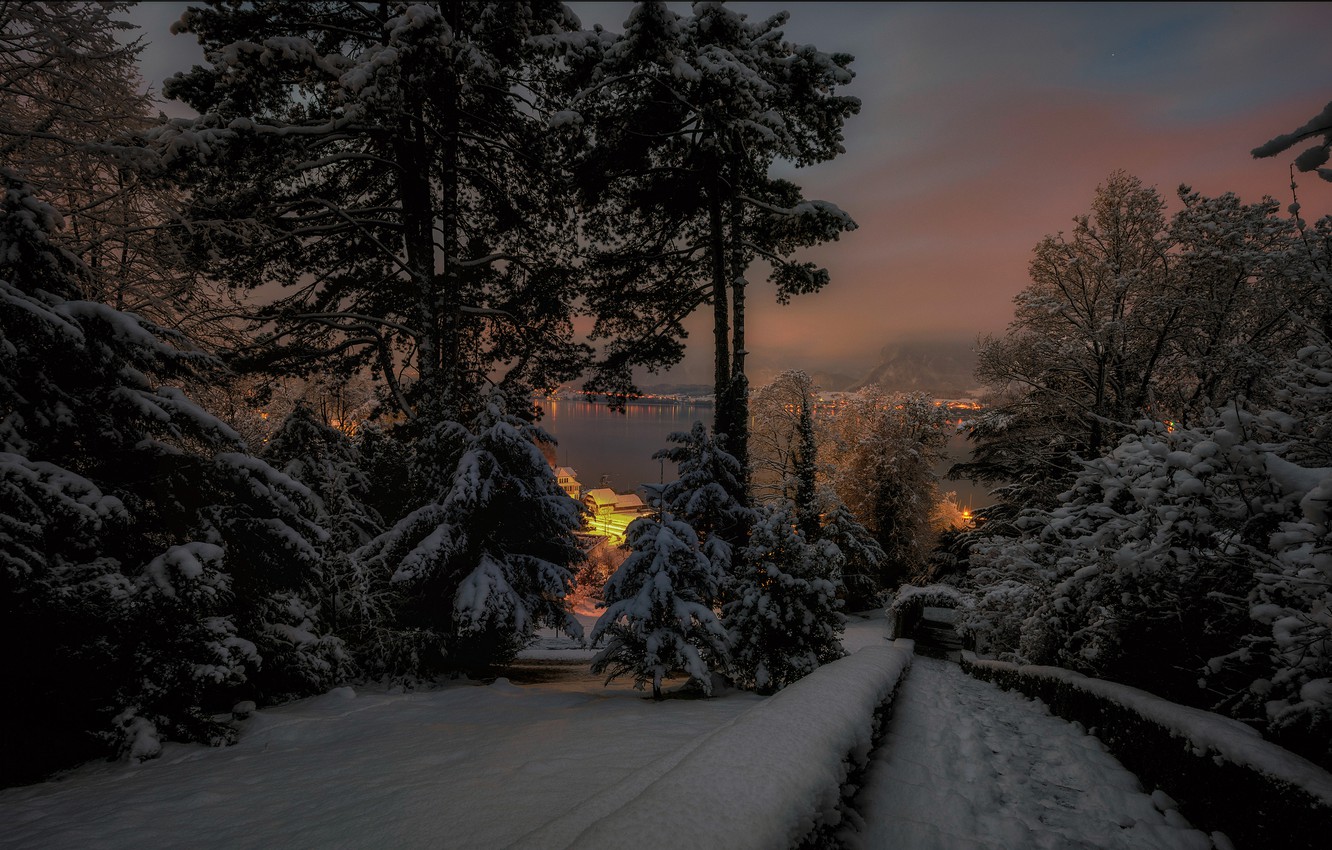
(985, 127)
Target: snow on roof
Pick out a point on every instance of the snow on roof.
(565, 472)
(606, 497)
(601, 495)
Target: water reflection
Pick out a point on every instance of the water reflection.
(615, 450)
(610, 449)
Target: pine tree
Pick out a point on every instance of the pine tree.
(688, 115)
(784, 621)
(389, 169)
(325, 460)
(385, 459)
(659, 614)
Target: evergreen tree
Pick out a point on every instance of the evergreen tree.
(688, 115)
(155, 571)
(659, 614)
(385, 459)
(485, 560)
(784, 620)
(863, 560)
(325, 460)
(388, 169)
(704, 494)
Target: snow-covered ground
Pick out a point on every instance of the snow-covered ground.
(465, 766)
(968, 765)
(554, 763)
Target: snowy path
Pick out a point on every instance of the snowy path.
(968, 765)
(463, 767)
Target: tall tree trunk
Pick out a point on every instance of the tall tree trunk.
(448, 296)
(738, 391)
(721, 423)
(806, 493)
(417, 218)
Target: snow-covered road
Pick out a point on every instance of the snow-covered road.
(968, 765)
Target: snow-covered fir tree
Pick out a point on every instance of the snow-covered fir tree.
(486, 558)
(784, 620)
(862, 558)
(659, 616)
(325, 460)
(386, 460)
(705, 493)
(157, 572)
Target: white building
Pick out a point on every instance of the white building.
(569, 481)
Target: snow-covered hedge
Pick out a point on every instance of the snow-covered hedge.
(910, 602)
(1224, 775)
(772, 777)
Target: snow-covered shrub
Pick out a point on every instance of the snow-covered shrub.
(1139, 573)
(784, 620)
(1188, 553)
(659, 616)
(1282, 672)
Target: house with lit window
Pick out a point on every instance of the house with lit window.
(568, 481)
(609, 513)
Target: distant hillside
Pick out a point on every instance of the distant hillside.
(942, 368)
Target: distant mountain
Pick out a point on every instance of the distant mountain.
(942, 368)
(832, 381)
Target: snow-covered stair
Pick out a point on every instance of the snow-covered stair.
(968, 765)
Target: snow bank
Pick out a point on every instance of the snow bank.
(771, 776)
(1219, 769)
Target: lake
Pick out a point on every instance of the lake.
(617, 448)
